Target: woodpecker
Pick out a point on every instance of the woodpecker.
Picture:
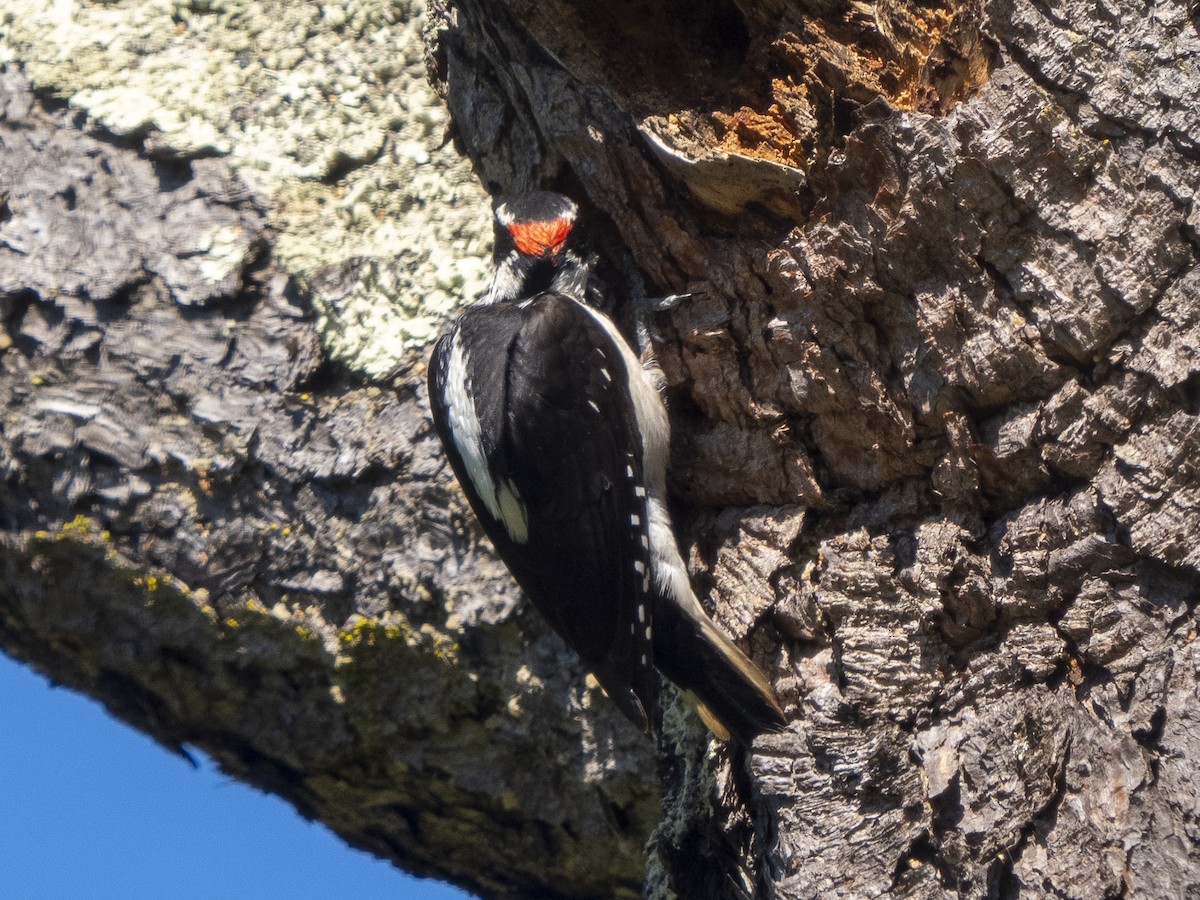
(558, 435)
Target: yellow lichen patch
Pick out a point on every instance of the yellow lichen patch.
(255, 606)
(81, 529)
(363, 633)
(80, 526)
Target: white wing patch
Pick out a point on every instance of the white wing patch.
(502, 501)
(512, 512)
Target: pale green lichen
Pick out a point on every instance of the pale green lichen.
(223, 252)
(403, 303)
(324, 109)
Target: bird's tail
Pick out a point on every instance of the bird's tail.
(730, 693)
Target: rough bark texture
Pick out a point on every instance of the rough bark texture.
(235, 546)
(935, 403)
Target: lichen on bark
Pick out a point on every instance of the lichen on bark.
(324, 111)
(934, 407)
(214, 531)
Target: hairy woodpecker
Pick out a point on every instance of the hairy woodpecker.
(559, 437)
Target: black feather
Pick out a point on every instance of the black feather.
(533, 367)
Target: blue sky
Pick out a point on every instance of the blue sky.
(93, 810)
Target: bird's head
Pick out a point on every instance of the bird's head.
(536, 248)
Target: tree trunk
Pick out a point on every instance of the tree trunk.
(934, 400)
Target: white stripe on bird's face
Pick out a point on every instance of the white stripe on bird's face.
(502, 501)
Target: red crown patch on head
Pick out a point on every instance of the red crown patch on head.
(540, 238)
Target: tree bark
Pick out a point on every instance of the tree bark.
(236, 545)
(935, 412)
(934, 400)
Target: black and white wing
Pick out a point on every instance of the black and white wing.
(532, 402)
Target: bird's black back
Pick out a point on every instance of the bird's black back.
(549, 388)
